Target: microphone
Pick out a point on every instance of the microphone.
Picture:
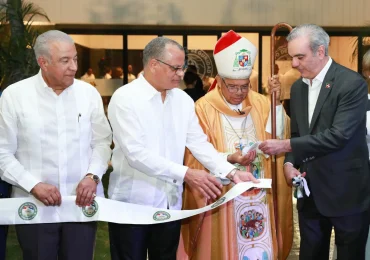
(241, 112)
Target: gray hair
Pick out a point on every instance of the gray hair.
(317, 36)
(156, 49)
(366, 61)
(43, 42)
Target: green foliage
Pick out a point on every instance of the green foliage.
(17, 37)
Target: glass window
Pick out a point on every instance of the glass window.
(342, 50)
(283, 67)
(202, 42)
(177, 38)
(99, 60)
(366, 69)
(200, 58)
(136, 45)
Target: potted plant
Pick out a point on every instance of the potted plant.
(17, 37)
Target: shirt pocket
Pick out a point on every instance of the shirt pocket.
(84, 126)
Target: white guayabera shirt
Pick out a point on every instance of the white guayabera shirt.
(150, 138)
(52, 139)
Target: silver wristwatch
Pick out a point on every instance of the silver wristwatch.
(232, 173)
(95, 178)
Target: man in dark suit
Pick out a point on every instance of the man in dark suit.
(328, 126)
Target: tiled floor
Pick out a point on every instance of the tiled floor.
(294, 253)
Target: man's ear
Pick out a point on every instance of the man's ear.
(321, 51)
(153, 65)
(43, 63)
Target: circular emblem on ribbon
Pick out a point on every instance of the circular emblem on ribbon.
(218, 202)
(27, 211)
(91, 209)
(161, 216)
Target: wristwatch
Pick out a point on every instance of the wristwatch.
(95, 178)
(232, 173)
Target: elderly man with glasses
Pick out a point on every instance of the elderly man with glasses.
(153, 121)
(236, 118)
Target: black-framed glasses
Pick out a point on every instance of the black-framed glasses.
(173, 68)
(235, 88)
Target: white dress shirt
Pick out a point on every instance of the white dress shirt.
(131, 77)
(50, 138)
(107, 76)
(87, 77)
(150, 138)
(314, 89)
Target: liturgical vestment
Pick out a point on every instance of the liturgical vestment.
(244, 228)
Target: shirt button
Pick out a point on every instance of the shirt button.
(174, 181)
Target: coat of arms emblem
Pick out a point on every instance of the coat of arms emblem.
(27, 211)
(91, 209)
(242, 60)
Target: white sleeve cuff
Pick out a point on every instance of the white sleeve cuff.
(225, 155)
(97, 169)
(178, 173)
(279, 122)
(291, 164)
(224, 169)
(28, 181)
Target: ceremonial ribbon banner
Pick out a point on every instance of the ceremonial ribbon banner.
(31, 211)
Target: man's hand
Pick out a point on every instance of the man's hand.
(203, 182)
(85, 192)
(290, 172)
(274, 86)
(243, 160)
(47, 194)
(242, 176)
(273, 146)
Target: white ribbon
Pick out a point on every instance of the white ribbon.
(301, 184)
(31, 211)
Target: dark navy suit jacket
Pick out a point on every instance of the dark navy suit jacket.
(332, 150)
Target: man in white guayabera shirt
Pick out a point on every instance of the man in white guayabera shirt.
(153, 121)
(54, 142)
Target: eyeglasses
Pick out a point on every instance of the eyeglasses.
(173, 68)
(235, 88)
